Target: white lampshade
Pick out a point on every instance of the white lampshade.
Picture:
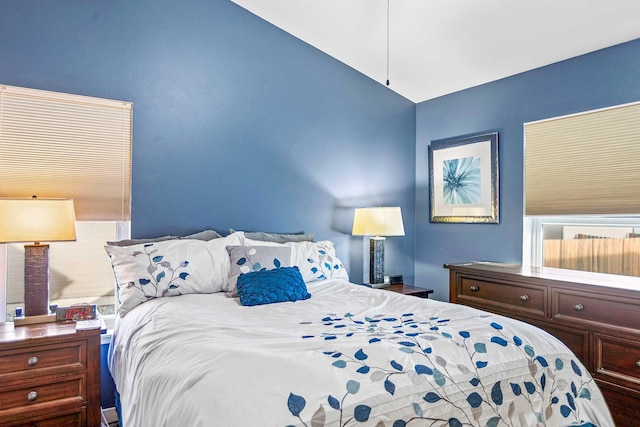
(378, 222)
(37, 220)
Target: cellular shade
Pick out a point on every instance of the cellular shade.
(584, 164)
(57, 145)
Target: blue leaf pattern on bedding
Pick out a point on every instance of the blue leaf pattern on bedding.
(325, 266)
(159, 287)
(489, 403)
(296, 404)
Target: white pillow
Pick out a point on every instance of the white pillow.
(317, 260)
(220, 258)
(169, 268)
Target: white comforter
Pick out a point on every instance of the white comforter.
(349, 355)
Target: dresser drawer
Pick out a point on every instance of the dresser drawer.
(575, 338)
(41, 360)
(34, 394)
(617, 360)
(596, 308)
(508, 299)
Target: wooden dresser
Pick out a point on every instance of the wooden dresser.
(49, 376)
(597, 316)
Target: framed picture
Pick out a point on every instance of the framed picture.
(463, 179)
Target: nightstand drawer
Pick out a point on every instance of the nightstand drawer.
(32, 395)
(42, 359)
(74, 419)
(596, 308)
(505, 298)
(617, 359)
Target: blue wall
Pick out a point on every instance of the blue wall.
(237, 124)
(599, 79)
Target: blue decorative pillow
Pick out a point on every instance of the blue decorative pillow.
(270, 286)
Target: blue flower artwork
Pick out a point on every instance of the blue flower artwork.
(461, 181)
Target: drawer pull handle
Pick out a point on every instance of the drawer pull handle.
(524, 298)
(578, 307)
(638, 363)
(474, 288)
(32, 396)
(32, 361)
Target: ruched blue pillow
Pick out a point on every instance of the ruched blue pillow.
(270, 286)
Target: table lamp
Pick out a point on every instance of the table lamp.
(377, 223)
(36, 220)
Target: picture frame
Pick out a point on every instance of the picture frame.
(463, 179)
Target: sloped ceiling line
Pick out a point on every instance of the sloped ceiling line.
(443, 46)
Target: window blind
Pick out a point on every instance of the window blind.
(584, 164)
(67, 146)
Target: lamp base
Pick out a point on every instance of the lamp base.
(36, 280)
(376, 260)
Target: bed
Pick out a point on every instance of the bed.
(346, 355)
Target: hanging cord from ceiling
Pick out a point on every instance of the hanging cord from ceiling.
(387, 42)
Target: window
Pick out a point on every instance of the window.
(67, 146)
(582, 192)
(593, 244)
(79, 271)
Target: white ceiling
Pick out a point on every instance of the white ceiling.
(438, 47)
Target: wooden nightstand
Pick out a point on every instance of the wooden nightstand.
(50, 375)
(405, 289)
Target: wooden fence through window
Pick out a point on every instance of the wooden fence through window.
(606, 255)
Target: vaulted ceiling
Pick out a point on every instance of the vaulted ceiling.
(436, 47)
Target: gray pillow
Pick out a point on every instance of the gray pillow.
(245, 259)
(131, 242)
(205, 235)
(263, 236)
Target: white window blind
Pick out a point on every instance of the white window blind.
(584, 164)
(68, 146)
